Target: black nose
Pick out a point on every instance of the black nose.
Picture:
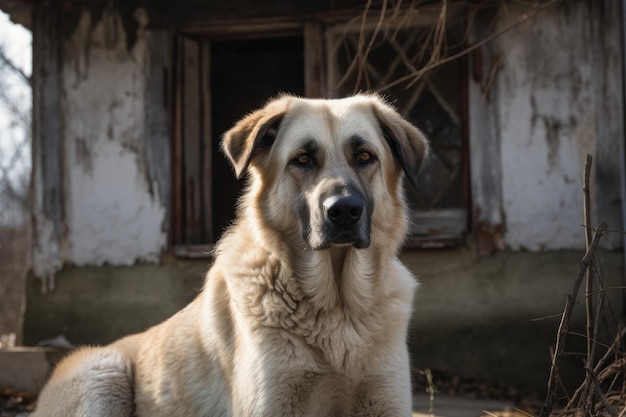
(343, 210)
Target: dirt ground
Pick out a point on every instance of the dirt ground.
(446, 394)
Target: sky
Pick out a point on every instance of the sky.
(16, 42)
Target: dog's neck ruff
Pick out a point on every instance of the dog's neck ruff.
(320, 291)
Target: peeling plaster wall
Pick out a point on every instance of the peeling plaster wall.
(556, 97)
(113, 214)
(552, 110)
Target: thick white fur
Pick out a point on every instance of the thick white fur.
(279, 329)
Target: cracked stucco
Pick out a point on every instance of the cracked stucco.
(111, 212)
(549, 119)
(111, 215)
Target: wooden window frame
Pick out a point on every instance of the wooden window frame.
(433, 228)
(186, 206)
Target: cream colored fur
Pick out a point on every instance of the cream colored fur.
(280, 329)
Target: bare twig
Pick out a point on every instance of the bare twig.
(434, 63)
(588, 277)
(495, 67)
(598, 391)
(622, 232)
(357, 59)
(563, 326)
(586, 200)
(560, 380)
(6, 61)
(362, 56)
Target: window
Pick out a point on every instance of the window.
(388, 55)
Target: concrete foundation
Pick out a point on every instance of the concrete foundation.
(27, 369)
(97, 305)
(482, 317)
(475, 317)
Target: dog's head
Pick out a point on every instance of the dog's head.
(330, 169)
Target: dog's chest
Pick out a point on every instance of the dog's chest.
(336, 337)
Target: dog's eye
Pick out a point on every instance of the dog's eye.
(303, 160)
(365, 157)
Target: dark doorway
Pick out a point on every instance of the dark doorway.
(244, 74)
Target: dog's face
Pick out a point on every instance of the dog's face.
(329, 170)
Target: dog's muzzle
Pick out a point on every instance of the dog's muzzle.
(346, 222)
(343, 210)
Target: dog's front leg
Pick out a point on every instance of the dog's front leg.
(292, 393)
(382, 397)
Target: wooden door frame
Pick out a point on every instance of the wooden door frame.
(314, 84)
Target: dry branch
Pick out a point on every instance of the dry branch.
(600, 393)
(598, 390)
(438, 57)
(588, 278)
(564, 325)
(5, 61)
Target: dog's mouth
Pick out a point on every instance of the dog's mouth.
(340, 239)
(355, 237)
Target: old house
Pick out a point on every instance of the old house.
(130, 190)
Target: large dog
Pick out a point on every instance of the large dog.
(305, 310)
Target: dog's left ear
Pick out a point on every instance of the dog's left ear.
(255, 131)
(408, 144)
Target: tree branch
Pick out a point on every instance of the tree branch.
(432, 64)
(6, 61)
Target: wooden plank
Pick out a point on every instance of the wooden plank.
(157, 140)
(207, 139)
(465, 138)
(332, 44)
(314, 69)
(47, 138)
(192, 132)
(194, 251)
(439, 221)
(198, 14)
(441, 228)
(484, 158)
(248, 29)
(177, 214)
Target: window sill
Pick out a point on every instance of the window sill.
(193, 251)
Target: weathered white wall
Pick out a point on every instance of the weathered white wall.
(551, 93)
(555, 97)
(113, 215)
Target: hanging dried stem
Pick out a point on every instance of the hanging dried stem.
(436, 39)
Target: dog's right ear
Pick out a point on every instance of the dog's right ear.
(255, 131)
(408, 144)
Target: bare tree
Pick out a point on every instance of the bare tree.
(15, 166)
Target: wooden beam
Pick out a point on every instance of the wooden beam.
(47, 138)
(177, 146)
(485, 164)
(192, 132)
(314, 60)
(206, 141)
(157, 140)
